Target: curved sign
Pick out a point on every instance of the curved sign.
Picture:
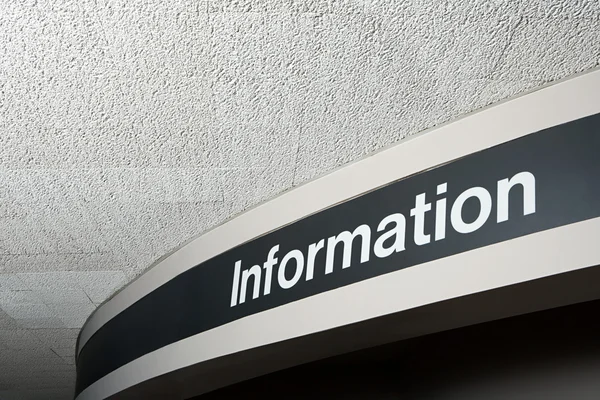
(536, 182)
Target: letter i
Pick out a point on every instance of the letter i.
(236, 283)
(440, 213)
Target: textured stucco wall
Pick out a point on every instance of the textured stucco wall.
(128, 127)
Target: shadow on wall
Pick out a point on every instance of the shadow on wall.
(551, 354)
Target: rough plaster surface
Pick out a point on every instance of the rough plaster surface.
(128, 127)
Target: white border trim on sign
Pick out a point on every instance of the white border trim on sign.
(562, 102)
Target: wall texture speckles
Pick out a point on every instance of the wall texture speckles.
(129, 127)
